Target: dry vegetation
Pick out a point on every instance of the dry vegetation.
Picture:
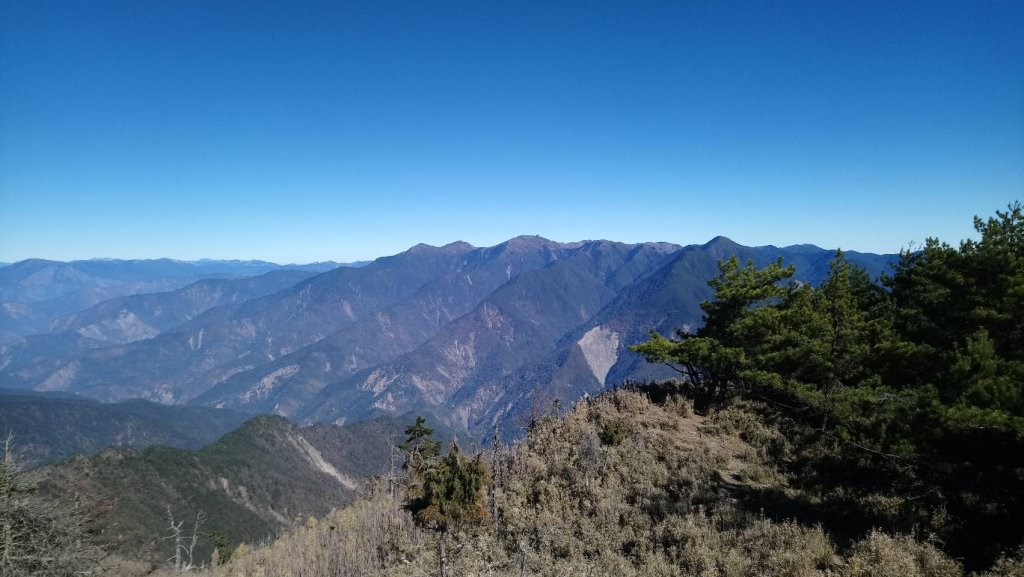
(619, 486)
(39, 537)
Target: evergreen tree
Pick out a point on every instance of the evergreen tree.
(452, 498)
(717, 355)
(420, 447)
(930, 371)
(960, 313)
(444, 494)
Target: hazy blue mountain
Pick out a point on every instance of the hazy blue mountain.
(290, 382)
(34, 292)
(36, 280)
(324, 266)
(126, 319)
(475, 335)
(188, 360)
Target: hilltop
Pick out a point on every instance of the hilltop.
(634, 483)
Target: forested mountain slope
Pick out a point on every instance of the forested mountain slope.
(248, 485)
(48, 426)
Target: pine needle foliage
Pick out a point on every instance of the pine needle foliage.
(446, 495)
(452, 497)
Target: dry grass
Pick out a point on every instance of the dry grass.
(657, 503)
(881, 555)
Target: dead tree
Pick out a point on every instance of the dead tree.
(395, 479)
(41, 533)
(184, 545)
(498, 476)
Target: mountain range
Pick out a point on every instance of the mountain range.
(478, 336)
(35, 292)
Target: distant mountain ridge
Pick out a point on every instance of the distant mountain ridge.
(49, 426)
(147, 315)
(34, 292)
(127, 319)
(474, 335)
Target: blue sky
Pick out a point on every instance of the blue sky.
(301, 131)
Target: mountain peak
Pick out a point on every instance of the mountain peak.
(719, 241)
(803, 248)
(450, 248)
(528, 242)
(30, 262)
(665, 247)
(458, 246)
(529, 238)
(260, 426)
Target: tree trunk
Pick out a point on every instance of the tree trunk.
(8, 547)
(442, 553)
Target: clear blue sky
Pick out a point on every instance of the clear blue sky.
(301, 131)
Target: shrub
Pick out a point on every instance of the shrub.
(881, 555)
(612, 434)
(38, 536)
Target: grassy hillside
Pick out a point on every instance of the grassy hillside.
(633, 483)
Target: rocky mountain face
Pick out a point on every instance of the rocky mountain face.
(137, 317)
(474, 335)
(294, 384)
(554, 334)
(594, 355)
(35, 292)
(458, 369)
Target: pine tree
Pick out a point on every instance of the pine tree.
(419, 446)
(450, 498)
(717, 355)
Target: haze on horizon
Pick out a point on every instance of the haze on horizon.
(346, 131)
